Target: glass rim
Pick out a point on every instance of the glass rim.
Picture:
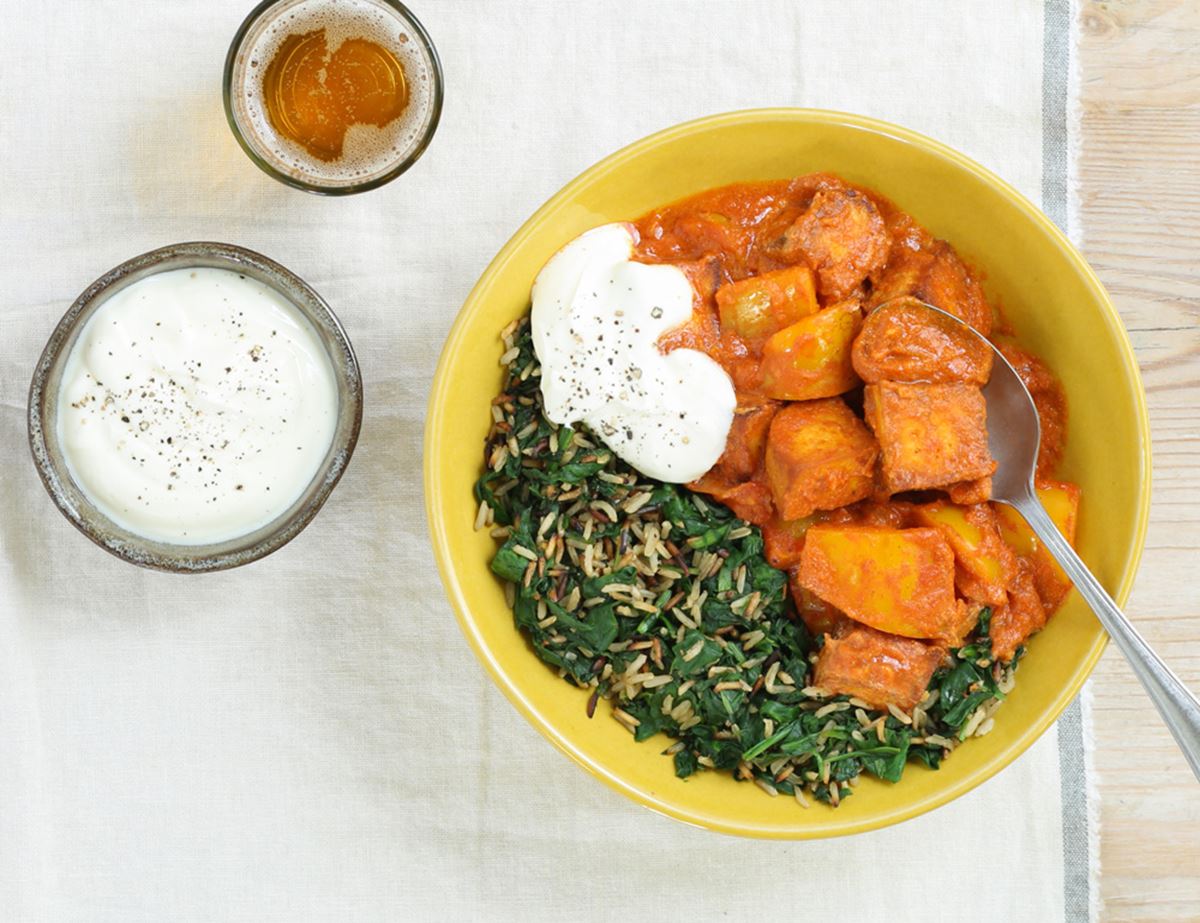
(414, 154)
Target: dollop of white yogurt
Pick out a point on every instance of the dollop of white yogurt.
(597, 318)
(196, 406)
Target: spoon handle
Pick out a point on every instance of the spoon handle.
(1178, 707)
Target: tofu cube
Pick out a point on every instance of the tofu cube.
(842, 236)
(819, 456)
(930, 435)
(880, 669)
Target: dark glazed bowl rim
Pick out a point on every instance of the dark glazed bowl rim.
(437, 90)
(75, 505)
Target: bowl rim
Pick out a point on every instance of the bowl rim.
(443, 553)
(76, 505)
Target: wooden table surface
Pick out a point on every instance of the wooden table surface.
(1140, 208)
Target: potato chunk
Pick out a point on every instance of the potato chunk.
(819, 456)
(897, 580)
(930, 435)
(880, 669)
(757, 307)
(842, 237)
(1061, 500)
(811, 358)
(905, 341)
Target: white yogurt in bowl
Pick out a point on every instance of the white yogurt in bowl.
(195, 408)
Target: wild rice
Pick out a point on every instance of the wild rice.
(679, 598)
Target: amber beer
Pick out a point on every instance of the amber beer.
(333, 95)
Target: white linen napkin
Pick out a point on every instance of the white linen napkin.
(309, 738)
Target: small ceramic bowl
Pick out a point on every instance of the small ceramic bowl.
(190, 559)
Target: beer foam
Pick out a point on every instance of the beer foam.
(369, 151)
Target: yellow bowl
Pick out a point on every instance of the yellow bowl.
(1049, 293)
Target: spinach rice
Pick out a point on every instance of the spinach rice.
(662, 603)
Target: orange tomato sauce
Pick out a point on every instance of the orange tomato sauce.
(886, 430)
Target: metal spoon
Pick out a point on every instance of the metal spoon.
(1014, 434)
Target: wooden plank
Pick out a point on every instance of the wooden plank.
(1139, 176)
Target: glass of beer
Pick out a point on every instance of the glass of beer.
(333, 96)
